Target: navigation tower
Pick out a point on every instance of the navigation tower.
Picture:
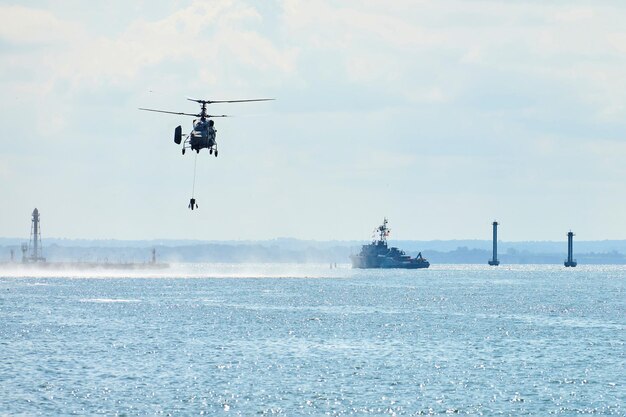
(35, 239)
(494, 260)
(570, 251)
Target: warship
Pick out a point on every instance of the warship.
(378, 255)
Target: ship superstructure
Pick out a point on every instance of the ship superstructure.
(379, 255)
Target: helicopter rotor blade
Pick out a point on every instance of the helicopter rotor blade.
(218, 115)
(171, 112)
(242, 101)
(227, 101)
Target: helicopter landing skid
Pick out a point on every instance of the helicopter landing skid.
(187, 145)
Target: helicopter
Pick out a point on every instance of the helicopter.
(203, 134)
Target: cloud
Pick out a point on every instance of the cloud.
(461, 98)
(439, 49)
(199, 35)
(27, 26)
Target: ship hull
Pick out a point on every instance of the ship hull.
(360, 262)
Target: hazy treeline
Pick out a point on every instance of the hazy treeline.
(301, 251)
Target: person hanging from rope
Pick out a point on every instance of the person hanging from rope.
(192, 203)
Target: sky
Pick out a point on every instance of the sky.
(441, 115)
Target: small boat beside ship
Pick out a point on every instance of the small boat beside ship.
(378, 255)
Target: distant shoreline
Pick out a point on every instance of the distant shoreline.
(287, 250)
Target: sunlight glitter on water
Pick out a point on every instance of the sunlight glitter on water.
(189, 270)
(533, 340)
(279, 270)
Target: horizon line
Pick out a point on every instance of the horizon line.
(294, 238)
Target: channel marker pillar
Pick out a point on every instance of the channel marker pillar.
(494, 260)
(570, 251)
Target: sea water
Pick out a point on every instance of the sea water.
(310, 340)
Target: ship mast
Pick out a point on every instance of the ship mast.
(383, 231)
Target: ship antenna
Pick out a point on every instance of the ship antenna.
(383, 230)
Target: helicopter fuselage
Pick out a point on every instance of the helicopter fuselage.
(203, 135)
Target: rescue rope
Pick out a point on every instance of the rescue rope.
(193, 187)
